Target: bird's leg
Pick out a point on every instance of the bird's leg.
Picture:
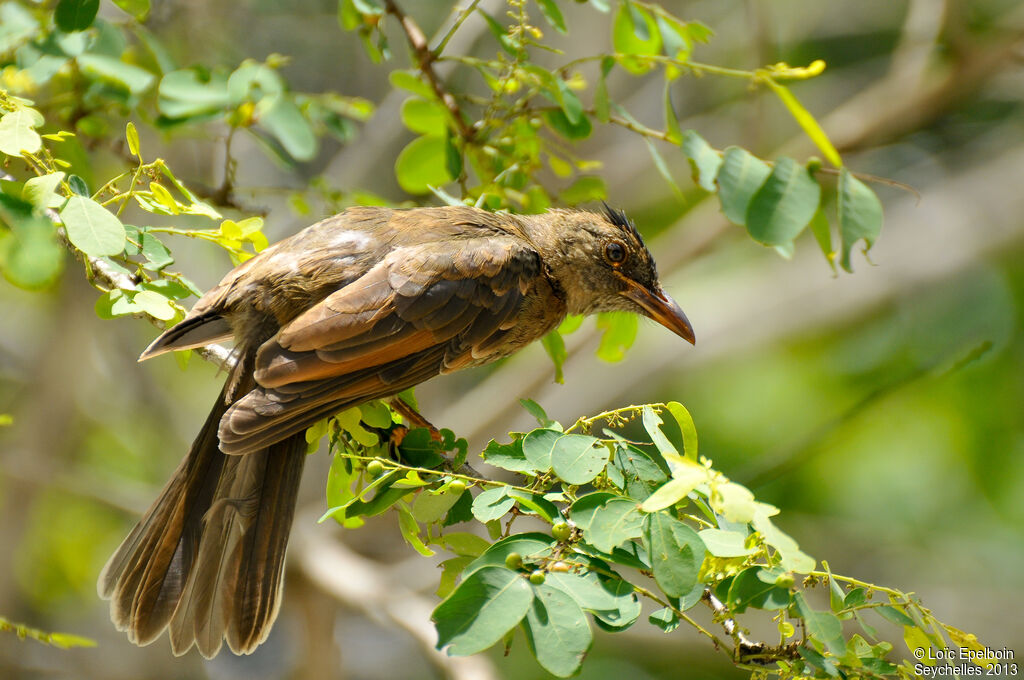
(414, 417)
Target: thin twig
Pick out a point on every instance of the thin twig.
(426, 58)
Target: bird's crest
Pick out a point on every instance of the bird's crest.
(619, 219)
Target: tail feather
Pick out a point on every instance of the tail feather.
(207, 559)
(145, 576)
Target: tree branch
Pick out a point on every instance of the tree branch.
(425, 58)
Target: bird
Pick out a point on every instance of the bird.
(357, 307)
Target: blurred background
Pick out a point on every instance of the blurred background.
(882, 411)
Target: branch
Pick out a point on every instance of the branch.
(426, 58)
(359, 584)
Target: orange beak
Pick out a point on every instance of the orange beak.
(660, 307)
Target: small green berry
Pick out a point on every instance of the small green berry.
(537, 577)
(784, 580)
(374, 468)
(458, 486)
(561, 531)
(514, 561)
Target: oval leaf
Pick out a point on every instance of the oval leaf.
(422, 164)
(676, 553)
(739, 178)
(577, 458)
(860, 215)
(92, 228)
(704, 161)
(784, 205)
(75, 15)
(557, 631)
(485, 606)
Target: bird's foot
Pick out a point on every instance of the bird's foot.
(415, 419)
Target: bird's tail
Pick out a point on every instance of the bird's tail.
(207, 559)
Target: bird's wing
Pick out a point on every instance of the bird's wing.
(421, 311)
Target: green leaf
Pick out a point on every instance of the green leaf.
(618, 334)
(640, 474)
(17, 25)
(570, 103)
(75, 15)
(369, 7)
(823, 236)
(535, 410)
(704, 160)
(634, 34)
(254, 82)
(627, 609)
(673, 133)
(918, 643)
(535, 503)
(674, 490)
(537, 447)
(41, 191)
(586, 589)
(793, 559)
(155, 304)
(411, 530)
(822, 626)
(561, 124)
(137, 8)
(784, 205)
(191, 92)
(112, 70)
(92, 228)
(410, 81)
(30, 256)
(492, 504)
(894, 615)
(612, 523)
(584, 190)
(554, 16)
(734, 502)
(747, 590)
(739, 178)
(554, 345)
(721, 543)
(422, 164)
(286, 123)
(424, 117)
(665, 619)
(676, 553)
(486, 605)
(652, 423)
(532, 546)
(860, 215)
(465, 544)
(807, 122)
(557, 631)
(450, 571)
(686, 427)
(132, 135)
(17, 133)
(507, 456)
(431, 506)
(577, 458)
(156, 253)
(583, 509)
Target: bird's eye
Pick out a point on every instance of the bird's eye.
(615, 252)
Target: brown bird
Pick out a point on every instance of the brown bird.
(360, 306)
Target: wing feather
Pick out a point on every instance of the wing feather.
(421, 311)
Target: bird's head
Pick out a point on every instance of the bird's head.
(603, 265)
